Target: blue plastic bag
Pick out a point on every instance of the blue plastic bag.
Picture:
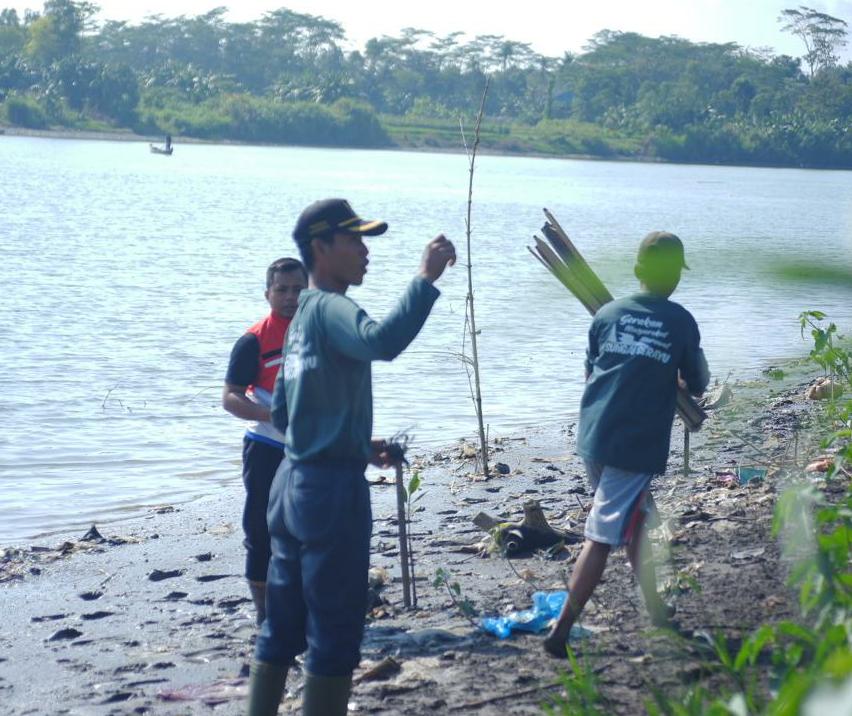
(747, 474)
(546, 607)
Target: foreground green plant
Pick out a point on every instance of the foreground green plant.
(801, 657)
(582, 694)
(779, 669)
(464, 606)
(414, 485)
(834, 359)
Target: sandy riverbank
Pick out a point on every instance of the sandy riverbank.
(159, 610)
(113, 135)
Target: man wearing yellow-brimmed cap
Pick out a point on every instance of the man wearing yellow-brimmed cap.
(319, 507)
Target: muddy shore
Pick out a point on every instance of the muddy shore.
(100, 135)
(151, 616)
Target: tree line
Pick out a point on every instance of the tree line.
(287, 77)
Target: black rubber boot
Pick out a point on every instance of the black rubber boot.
(266, 687)
(326, 695)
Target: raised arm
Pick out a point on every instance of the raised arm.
(352, 332)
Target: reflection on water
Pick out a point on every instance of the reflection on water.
(130, 275)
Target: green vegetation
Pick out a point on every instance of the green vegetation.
(259, 119)
(463, 605)
(288, 77)
(582, 694)
(25, 112)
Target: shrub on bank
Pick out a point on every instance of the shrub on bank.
(574, 137)
(782, 143)
(247, 118)
(24, 112)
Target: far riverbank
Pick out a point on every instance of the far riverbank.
(402, 141)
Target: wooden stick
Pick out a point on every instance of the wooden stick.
(560, 241)
(566, 276)
(403, 538)
(599, 288)
(412, 574)
(546, 265)
(690, 412)
(571, 278)
(539, 259)
(470, 314)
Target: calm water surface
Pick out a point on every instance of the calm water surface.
(127, 277)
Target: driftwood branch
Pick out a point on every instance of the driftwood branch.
(531, 533)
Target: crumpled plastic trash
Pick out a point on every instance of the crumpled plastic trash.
(727, 479)
(821, 464)
(824, 389)
(747, 474)
(546, 607)
(219, 692)
(740, 476)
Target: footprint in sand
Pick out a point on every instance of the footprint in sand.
(136, 668)
(118, 697)
(64, 634)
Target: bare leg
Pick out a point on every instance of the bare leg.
(641, 558)
(585, 577)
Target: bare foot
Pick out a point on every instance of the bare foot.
(555, 644)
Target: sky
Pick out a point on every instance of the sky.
(550, 27)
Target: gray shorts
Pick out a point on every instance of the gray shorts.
(621, 500)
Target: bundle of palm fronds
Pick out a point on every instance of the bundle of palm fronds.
(563, 260)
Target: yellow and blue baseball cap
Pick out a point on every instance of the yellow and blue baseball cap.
(331, 216)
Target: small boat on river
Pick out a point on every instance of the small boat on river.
(166, 149)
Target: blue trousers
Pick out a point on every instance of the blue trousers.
(260, 462)
(320, 523)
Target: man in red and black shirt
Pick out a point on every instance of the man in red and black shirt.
(249, 383)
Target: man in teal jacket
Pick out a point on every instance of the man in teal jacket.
(319, 516)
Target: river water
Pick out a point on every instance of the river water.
(128, 276)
